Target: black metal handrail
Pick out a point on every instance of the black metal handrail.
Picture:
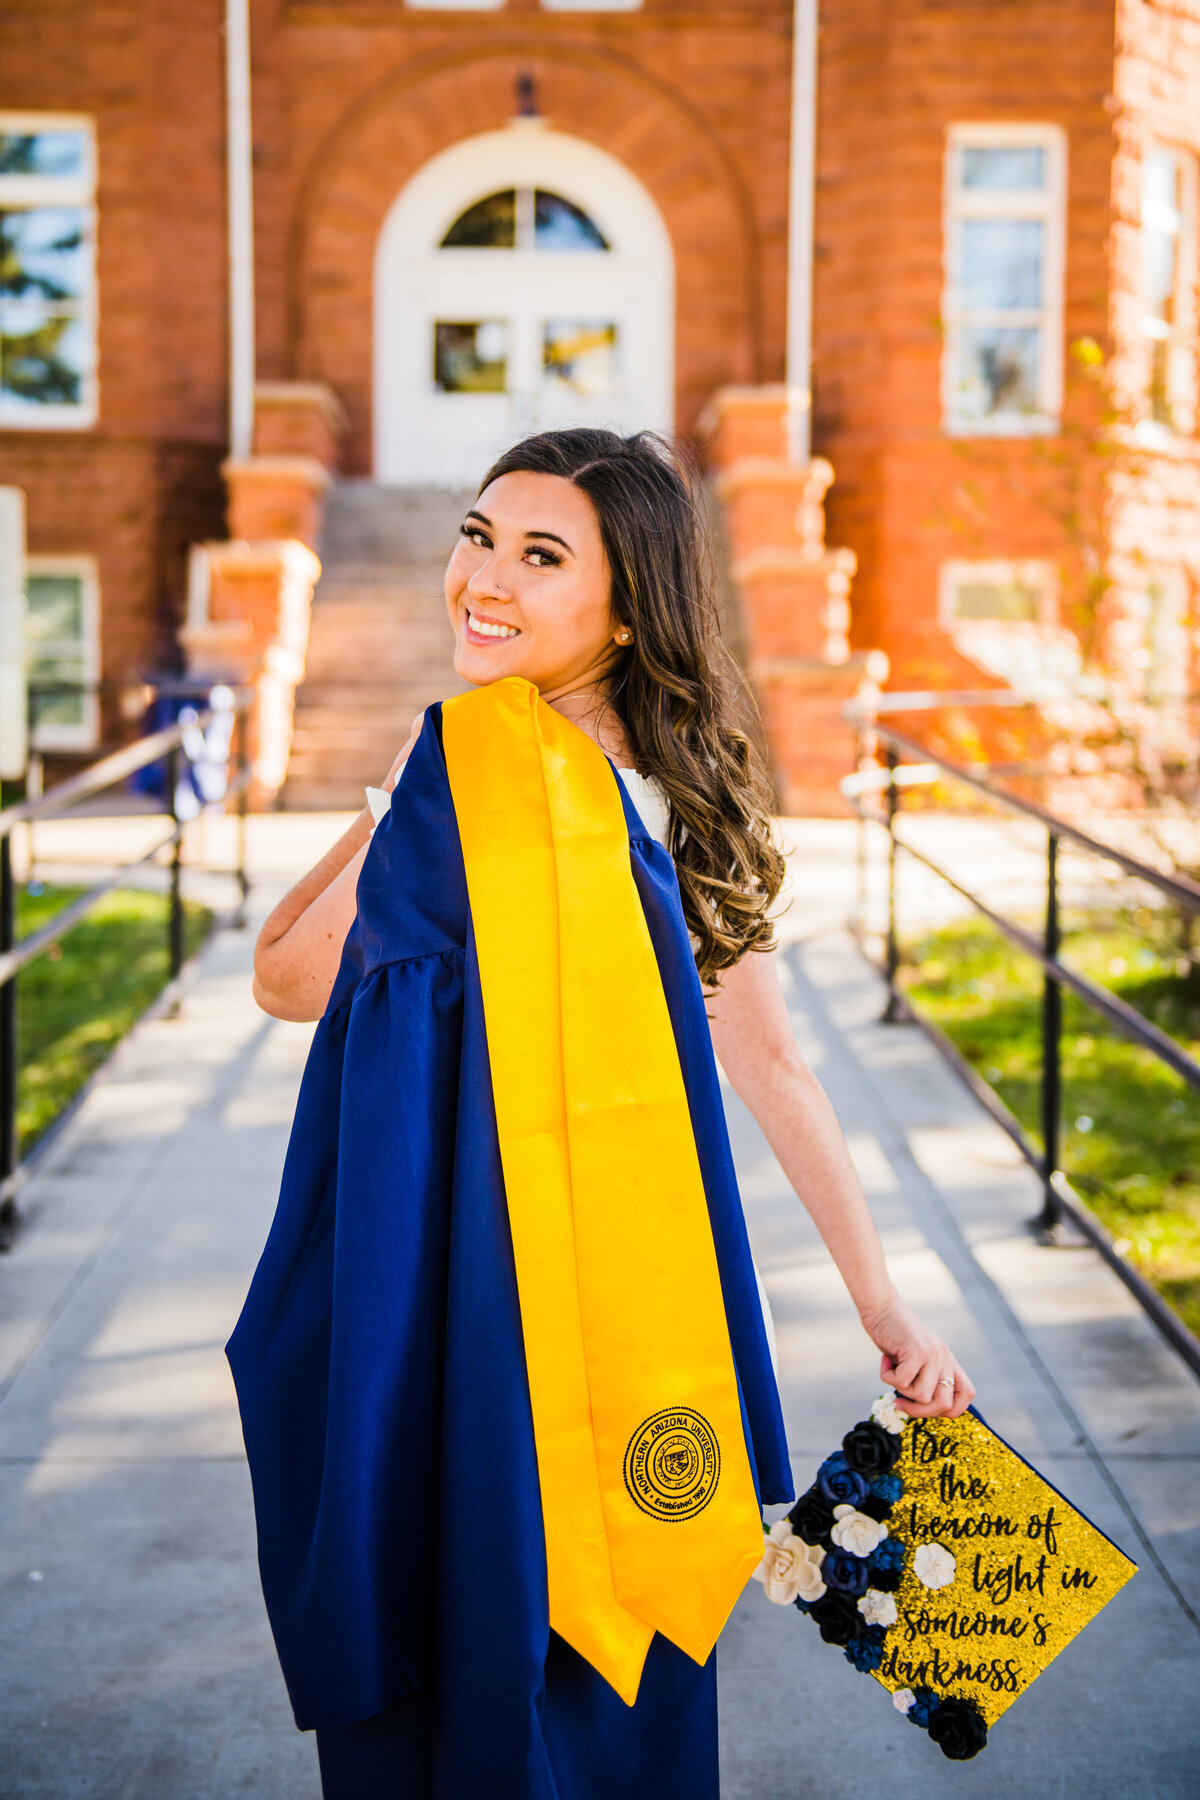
(1059, 1198)
(167, 747)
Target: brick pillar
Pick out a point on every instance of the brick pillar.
(795, 596)
(249, 598)
(248, 613)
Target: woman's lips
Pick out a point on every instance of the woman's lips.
(482, 630)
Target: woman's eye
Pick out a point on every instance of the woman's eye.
(474, 536)
(545, 559)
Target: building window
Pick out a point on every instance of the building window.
(1004, 250)
(1000, 592)
(47, 271)
(1003, 615)
(62, 643)
(1168, 286)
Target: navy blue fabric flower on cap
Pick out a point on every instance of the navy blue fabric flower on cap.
(845, 1573)
(888, 1555)
(866, 1652)
(841, 1485)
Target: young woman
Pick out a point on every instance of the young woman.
(580, 571)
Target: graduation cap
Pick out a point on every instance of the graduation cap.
(942, 1564)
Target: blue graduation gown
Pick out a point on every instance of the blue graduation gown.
(380, 1373)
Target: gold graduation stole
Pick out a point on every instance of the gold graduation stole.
(650, 1512)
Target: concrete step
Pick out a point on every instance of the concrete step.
(369, 524)
(380, 646)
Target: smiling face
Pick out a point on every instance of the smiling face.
(528, 587)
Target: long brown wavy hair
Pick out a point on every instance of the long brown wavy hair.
(675, 689)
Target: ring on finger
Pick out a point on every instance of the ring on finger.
(946, 1381)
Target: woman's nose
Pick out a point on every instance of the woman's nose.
(489, 580)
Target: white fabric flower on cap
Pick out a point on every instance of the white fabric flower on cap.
(933, 1565)
(856, 1532)
(877, 1608)
(790, 1568)
(902, 1699)
(885, 1412)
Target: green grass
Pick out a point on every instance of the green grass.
(75, 1002)
(1131, 1128)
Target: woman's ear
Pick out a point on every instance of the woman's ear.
(623, 635)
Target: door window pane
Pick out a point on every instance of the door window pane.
(561, 225)
(524, 219)
(1004, 166)
(491, 224)
(998, 371)
(471, 358)
(1001, 264)
(579, 356)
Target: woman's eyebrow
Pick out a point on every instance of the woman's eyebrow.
(474, 513)
(553, 536)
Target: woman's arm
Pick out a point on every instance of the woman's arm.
(300, 946)
(752, 1037)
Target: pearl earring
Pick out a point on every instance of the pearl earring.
(624, 635)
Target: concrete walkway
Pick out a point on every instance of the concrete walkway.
(135, 1659)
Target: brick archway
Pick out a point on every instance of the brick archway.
(388, 137)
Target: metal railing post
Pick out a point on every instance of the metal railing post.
(8, 1041)
(1050, 1217)
(175, 910)
(891, 1012)
(243, 766)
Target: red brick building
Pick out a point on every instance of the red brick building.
(472, 219)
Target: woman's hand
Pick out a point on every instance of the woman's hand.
(930, 1382)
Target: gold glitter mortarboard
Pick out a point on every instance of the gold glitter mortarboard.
(1022, 1571)
(944, 1565)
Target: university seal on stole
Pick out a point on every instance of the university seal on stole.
(673, 1464)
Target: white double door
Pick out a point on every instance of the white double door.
(478, 347)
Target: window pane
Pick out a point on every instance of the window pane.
(579, 356)
(55, 609)
(1160, 186)
(490, 224)
(997, 600)
(43, 253)
(43, 355)
(1004, 166)
(54, 152)
(471, 358)
(1158, 264)
(56, 690)
(1001, 264)
(997, 372)
(561, 225)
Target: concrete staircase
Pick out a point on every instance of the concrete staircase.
(380, 646)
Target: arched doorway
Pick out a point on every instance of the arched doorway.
(523, 280)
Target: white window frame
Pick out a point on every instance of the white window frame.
(1181, 371)
(27, 191)
(84, 735)
(1031, 573)
(1048, 204)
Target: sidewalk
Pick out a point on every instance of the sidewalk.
(136, 1661)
